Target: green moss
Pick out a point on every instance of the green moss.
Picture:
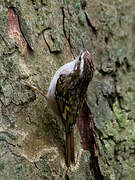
(44, 165)
(77, 7)
(64, 2)
(44, 2)
(41, 160)
(128, 170)
(118, 143)
(131, 96)
(120, 115)
(17, 168)
(12, 136)
(1, 166)
(82, 18)
(2, 138)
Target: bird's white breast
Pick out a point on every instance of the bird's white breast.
(65, 69)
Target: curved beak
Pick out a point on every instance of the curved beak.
(83, 47)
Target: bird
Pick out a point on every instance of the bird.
(66, 95)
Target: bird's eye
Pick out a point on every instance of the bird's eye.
(80, 58)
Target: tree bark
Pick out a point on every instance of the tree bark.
(36, 38)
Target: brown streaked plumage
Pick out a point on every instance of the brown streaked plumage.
(66, 95)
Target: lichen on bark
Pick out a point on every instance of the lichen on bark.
(31, 137)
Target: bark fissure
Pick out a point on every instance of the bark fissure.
(94, 30)
(2, 138)
(20, 26)
(36, 166)
(86, 127)
(67, 37)
(54, 51)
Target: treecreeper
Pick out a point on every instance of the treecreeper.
(66, 95)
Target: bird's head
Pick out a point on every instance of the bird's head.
(84, 62)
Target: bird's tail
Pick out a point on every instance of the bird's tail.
(70, 158)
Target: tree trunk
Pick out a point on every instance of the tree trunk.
(36, 38)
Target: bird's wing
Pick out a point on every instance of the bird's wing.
(66, 99)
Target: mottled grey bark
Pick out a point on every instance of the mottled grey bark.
(36, 38)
